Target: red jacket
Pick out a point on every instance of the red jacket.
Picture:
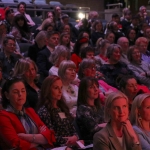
(10, 126)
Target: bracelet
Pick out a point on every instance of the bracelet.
(33, 138)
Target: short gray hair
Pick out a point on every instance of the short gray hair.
(134, 115)
(108, 102)
(64, 66)
(140, 9)
(41, 35)
(111, 49)
(59, 51)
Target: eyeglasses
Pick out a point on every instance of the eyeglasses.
(11, 45)
(135, 53)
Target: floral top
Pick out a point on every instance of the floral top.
(88, 119)
(70, 94)
(57, 121)
(112, 71)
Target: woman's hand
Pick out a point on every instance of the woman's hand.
(102, 125)
(130, 130)
(71, 140)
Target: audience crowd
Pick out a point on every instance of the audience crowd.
(72, 86)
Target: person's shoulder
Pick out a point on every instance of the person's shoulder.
(137, 129)
(103, 133)
(42, 109)
(45, 51)
(2, 55)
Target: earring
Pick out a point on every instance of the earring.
(139, 117)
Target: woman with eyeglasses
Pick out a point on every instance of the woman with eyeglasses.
(114, 67)
(88, 69)
(20, 127)
(140, 68)
(67, 73)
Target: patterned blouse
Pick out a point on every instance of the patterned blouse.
(88, 118)
(57, 121)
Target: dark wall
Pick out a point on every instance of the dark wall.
(97, 5)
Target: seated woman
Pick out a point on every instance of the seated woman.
(57, 56)
(67, 73)
(97, 31)
(131, 36)
(140, 120)
(21, 127)
(118, 133)
(88, 69)
(110, 36)
(114, 67)
(101, 47)
(55, 113)
(89, 116)
(27, 69)
(21, 31)
(65, 40)
(140, 68)
(129, 86)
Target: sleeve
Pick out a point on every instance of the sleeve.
(9, 135)
(108, 74)
(100, 142)
(41, 63)
(143, 79)
(30, 20)
(107, 86)
(85, 118)
(48, 134)
(142, 137)
(46, 118)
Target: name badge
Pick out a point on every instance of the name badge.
(62, 115)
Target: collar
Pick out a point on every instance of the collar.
(50, 49)
(133, 25)
(10, 108)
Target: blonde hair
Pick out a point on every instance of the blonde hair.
(59, 51)
(134, 114)
(108, 102)
(64, 66)
(22, 65)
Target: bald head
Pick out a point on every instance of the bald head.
(124, 43)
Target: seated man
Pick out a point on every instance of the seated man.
(43, 63)
(8, 56)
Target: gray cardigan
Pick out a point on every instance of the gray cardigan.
(143, 67)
